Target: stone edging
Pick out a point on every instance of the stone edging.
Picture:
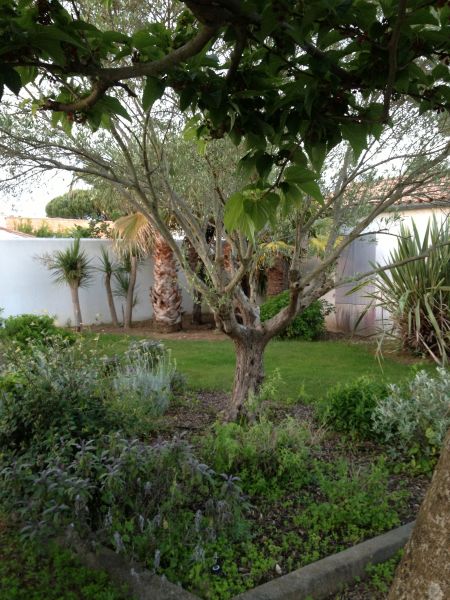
(317, 580)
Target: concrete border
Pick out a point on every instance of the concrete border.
(316, 581)
(329, 575)
(140, 583)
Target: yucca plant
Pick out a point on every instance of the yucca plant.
(109, 268)
(417, 292)
(71, 267)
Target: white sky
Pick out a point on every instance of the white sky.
(31, 200)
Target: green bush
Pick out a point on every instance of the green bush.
(155, 503)
(309, 325)
(265, 456)
(349, 407)
(52, 391)
(144, 378)
(414, 418)
(34, 329)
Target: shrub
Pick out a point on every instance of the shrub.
(264, 455)
(309, 325)
(155, 503)
(414, 418)
(349, 407)
(52, 391)
(145, 378)
(33, 329)
(145, 384)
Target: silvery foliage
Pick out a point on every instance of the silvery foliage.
(123, 492)
(417, 414)
(146, 375)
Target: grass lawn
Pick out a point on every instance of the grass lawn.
(316, 366)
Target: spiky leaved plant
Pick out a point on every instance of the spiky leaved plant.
(108, 267)
(417, 292)
(71, 267)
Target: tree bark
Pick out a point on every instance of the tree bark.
(197, 308)
(76, 306)
(109, 294)
(424, 571)
(249, 372)
(165, 293)
(128, 320)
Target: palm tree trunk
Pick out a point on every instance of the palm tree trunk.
(130, 293)
(165, 294)
(112, 306)
(76, 305)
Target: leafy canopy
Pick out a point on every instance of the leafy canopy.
(292, 78)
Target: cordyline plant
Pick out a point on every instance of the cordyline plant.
(317, 98)
(416, 293)
(71, 267)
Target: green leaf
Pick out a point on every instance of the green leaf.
(317, 154)
(11, 78)
(312, 188)
(113, 106)
(264, 165)
(27, 74)
(154, 89)
(234, 210)
(299, 174)
(356, 134)
(187, 95)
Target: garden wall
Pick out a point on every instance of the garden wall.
(26, 285)
(375, 248)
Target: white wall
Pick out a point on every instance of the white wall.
(377, 248)
(26, 285)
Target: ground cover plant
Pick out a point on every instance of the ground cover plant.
(222, 508)
(28, 573)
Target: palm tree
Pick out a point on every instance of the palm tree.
(125, 278)
(109, 268)
(165, 295)
(71, 267)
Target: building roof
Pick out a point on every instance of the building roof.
(6, 234)
(435, 194)
(430, 194)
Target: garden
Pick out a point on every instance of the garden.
(258, 151)
(120, 440)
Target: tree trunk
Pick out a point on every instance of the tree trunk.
(197, 308)
(128, 320)
(196, 265)
(76, 306)
(424, 571)
(249, 372)
(165, 294)
(109, 294)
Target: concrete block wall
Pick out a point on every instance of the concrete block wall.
(26, 285)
